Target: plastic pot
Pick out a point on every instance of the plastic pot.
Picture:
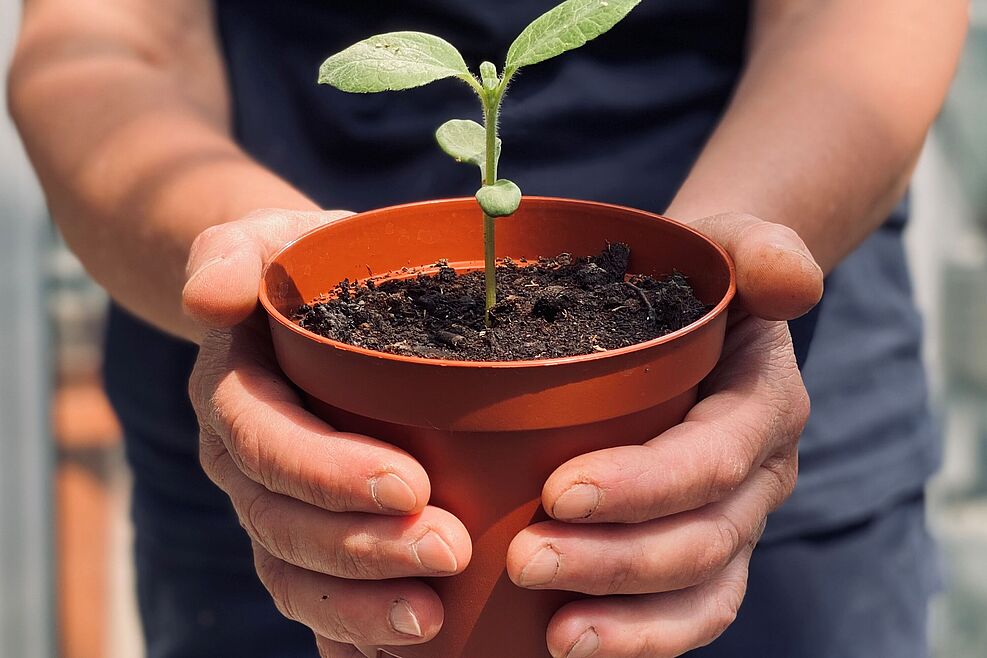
(490, 433)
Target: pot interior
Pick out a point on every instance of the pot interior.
(393, 240)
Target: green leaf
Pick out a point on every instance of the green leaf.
(465, 141)
(391, 62)
(568, 26)
(500, 199)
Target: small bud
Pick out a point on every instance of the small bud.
(488, 74)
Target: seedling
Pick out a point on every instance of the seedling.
(404, 60)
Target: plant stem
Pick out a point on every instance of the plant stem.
(491, 106)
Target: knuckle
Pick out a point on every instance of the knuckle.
(245, 444)
(273, 574)
(206, 236)
(757, 533)
(211, 233)
(801, 406)
(324, 488)
(746, 219)
(656, 502)
(360, 556)
(783, 470)
(261, 215)
(265, 521)
(257, 515)
(783, 232)
(212, 361)
(325, 648)
(723, 544)
(618, 578)
(198, 388)
(728, 538)
(722, 608)
(339, 627)
(791, 404)
(616, 570)
(652, 645)
(210, 454)
(209, 237)
(729, 472)
(722, 615)
(771, 232)
(740, 222)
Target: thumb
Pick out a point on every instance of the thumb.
(777, 277)
(226, 260)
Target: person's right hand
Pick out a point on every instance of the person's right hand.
(339, 522)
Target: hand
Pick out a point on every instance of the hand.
(682, 513)
(330, 515)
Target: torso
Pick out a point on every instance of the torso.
(620, 120)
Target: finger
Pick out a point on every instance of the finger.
(667, 554)
(656, 625)
(396, 612)
(277, 443)
(347, 545)
(225, 262)
(777, 277)
(331, 649)
(756, 407)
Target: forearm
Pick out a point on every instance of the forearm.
(829, 117)
(132, 212)
(133, 149)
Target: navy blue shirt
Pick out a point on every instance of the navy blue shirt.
(620, 120)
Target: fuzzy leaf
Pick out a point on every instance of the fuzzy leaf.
(568, 26)
(465, 141)
(391, 62)
(500, 199)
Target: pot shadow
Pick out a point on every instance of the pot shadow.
(282, 292)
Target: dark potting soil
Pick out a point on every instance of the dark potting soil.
(555, 307)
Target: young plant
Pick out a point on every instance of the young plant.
(403, 60)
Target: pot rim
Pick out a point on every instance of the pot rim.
(717, 310)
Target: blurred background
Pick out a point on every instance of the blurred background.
(65, 576)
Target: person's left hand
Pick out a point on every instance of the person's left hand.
(673, 522)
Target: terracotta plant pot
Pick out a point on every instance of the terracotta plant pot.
(490, 433)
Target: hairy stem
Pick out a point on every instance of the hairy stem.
(491, 106)
(491, 99)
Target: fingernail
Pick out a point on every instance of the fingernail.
(587, 644)
(435, 554)
(403, 619)
(392, 493)
(541, 569)
(577, 502)
(806, 259)
(205, 266)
